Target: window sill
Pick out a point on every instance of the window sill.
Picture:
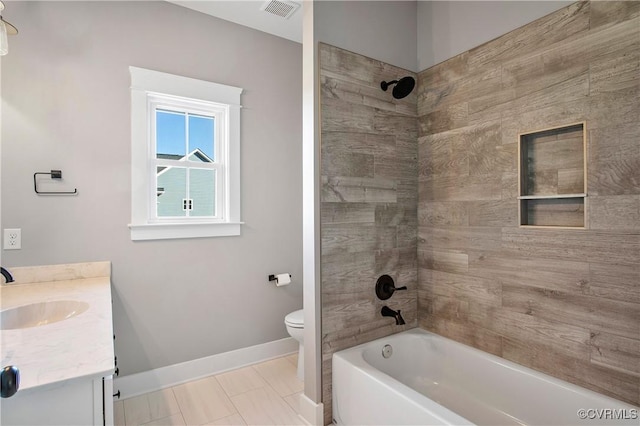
(169, 231)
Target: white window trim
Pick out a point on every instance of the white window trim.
(146, 83)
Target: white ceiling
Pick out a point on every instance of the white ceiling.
(248, 13)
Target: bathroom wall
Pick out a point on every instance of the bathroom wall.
(565, 302)
(368, 202)
(66, 105)
(383, 30)
(448, 28)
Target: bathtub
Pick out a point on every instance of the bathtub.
(432, 380)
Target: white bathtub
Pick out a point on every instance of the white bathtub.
(431, 380)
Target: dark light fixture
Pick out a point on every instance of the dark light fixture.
(6, 29)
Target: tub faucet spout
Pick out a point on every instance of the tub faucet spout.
(388, 312)
(7, 275)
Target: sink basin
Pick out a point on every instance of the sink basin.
(37, 314)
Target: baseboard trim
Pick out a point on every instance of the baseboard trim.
(171, 375)
(311, 412)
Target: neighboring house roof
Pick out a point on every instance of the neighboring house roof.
(196, 152)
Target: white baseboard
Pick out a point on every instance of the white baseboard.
(171, 375)
(311, 412)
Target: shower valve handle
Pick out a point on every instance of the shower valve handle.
(385, 287)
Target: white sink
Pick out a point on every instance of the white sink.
(37, 314)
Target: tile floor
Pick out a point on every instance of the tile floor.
(261, 394)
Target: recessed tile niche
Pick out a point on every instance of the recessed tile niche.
(552, 177)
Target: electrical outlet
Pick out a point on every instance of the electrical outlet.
(13, 239)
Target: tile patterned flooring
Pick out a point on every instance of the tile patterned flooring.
(260, 394)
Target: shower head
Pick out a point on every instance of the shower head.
(403, 87)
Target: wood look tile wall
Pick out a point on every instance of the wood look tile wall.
(564, 302)
(368, 203)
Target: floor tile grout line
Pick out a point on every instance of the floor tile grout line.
(241, 393)
(183, 419)
(178, 405)
(273, 391)
(243, 419)
(264, 381)
(273, 388)
(124, 414)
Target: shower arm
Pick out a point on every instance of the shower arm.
(385, 85)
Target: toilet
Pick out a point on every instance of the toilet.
(295, 327)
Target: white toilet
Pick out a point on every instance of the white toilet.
(295, 327)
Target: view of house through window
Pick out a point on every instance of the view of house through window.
(185, 186)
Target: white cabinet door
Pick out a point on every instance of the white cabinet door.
(77, 402)
(107, 400)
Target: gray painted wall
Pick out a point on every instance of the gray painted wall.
(383, 30)
(66, 105)
(393, 31)
(448, 28)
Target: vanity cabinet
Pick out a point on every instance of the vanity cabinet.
(82, 401)
(66, 361)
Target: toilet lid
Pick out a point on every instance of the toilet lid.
(295, 319)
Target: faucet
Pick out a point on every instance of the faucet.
(7, 275)
(388, 312)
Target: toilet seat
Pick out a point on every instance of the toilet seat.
(295, 319)
(295, 327)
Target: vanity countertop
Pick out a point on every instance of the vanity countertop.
(80, 346)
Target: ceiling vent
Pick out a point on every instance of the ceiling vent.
(283, 9)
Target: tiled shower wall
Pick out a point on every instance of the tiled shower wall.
(369, 202)
(565, 302)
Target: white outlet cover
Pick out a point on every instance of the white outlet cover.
(12, 239)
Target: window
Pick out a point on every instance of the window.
(185, 147)
(187, 139)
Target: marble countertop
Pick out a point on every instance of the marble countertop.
(81, 346)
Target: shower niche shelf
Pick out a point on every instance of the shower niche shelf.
(552, 177)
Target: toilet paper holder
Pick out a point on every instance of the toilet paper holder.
(274, 277)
